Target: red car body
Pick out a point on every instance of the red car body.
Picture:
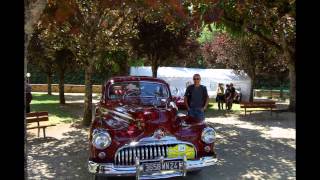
(179, 100)
(137, 134)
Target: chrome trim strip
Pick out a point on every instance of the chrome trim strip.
(122, 156)
(134, 153)
(119, 160)
(147, 153)
(130, 156)
(142, 153)
(155, 151)
(159, 151)
(109, 169)
(126, 157)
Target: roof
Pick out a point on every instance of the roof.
(171, 72)
(135, 78)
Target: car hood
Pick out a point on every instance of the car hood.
(134, 121)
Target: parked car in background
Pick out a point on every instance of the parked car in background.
(237, 98)
(178, 97)
(137, 131)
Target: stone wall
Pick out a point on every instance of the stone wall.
(270, 93)
(68, 88)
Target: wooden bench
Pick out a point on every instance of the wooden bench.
(37, 117)
(258, 104)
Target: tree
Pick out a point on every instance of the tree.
(33, 10)
(64, 61)
(90, 28)
(158, 42)
(39, 56)
(246, 53)
(273, 22)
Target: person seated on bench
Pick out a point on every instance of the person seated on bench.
(28, 97)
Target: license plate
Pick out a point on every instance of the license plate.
(158, 166)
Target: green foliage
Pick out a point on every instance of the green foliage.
(206, 34)
(76, 77)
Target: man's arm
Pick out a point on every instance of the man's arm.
(206, 104)
(207, 99)
(186, 102)
(186, 94)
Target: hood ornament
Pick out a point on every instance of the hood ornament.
(158, 134)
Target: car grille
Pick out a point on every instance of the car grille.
(127, 155)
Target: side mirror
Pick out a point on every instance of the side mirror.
(173, 105)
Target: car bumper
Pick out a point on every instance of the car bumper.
(108, 169)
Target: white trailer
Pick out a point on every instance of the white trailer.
(179, 77)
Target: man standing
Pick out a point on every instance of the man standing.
(220, 96)
(233, 94)
(228, 96)
(28, 97)
(196, 98)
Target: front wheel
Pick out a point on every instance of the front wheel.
(97, 177)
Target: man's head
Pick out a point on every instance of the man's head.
(231, 85)
(196, 79)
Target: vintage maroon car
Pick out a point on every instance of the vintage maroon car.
(137, 131)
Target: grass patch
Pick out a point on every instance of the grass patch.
(57, 113)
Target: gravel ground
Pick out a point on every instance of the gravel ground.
(258, 146)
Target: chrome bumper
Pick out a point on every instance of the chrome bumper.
(108, 169)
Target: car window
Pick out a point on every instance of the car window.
(141, 89)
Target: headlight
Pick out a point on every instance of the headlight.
(101, 139)
(208, 135)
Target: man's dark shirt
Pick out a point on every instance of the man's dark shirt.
(232, 91)
(197, 96)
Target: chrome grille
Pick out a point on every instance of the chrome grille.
(127, 155)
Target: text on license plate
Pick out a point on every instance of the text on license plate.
(158, 166)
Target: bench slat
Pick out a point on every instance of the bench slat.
(36, 127)
(259, 102)
(33, 120)
(36, 114)
(259, 106)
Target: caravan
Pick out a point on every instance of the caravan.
(180, 77)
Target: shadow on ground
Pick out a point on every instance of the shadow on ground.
(256, 146)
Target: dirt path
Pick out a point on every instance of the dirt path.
(258, 146)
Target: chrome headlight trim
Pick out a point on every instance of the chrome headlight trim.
(101, 139)
(208, 135)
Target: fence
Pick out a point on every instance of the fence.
(274, 94)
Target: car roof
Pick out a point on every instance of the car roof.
(135, 78)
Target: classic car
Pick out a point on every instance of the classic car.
(138, 131)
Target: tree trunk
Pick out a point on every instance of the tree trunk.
(61, 87)
(88, 96)
(49, 81)
(32, 13)
(124, 68)
(281, 91)
(290, 57)
(292, 76)
(253, 80)
(154, 67)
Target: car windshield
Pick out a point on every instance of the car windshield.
(138, 89)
